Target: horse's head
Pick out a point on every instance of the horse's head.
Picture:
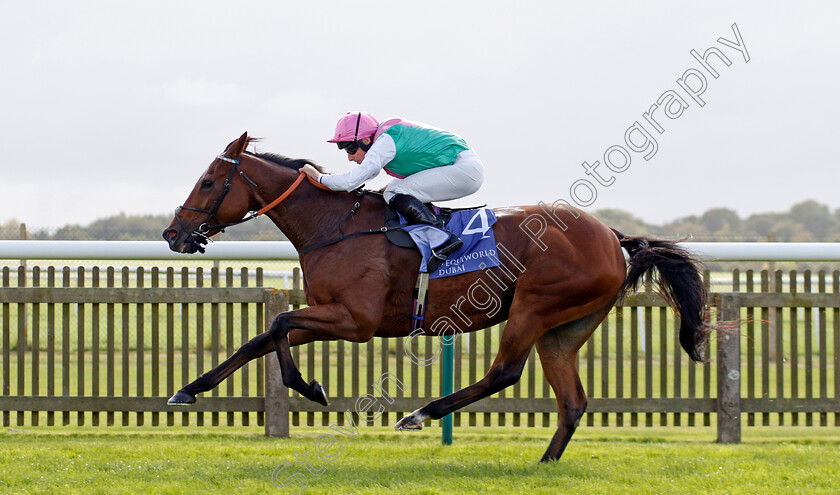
(221, 196)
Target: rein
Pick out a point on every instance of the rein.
(280, 198)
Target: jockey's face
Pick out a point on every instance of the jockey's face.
(359, 155)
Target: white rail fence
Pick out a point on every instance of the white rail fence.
(284, 251)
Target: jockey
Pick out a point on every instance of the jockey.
(428, 164)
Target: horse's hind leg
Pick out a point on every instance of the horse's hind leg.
(506, 369)
(519, 336)
(558, 350)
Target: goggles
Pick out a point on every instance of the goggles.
(349, 146)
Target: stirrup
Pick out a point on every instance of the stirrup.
(451, 245)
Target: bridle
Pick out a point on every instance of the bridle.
(199, 235)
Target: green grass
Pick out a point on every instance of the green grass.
(482, 460)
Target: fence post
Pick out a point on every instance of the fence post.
(446, 385)
(729, 368)
(276, 394)
(22, 283)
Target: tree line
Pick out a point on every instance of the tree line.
(124, 227)
(808, 221)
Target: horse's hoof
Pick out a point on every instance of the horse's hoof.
(409, 423)
(320, 393)
(181, 399)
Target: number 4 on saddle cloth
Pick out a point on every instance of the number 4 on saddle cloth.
(473, 226)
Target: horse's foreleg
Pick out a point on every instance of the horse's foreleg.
(256, 347)
(331, 320)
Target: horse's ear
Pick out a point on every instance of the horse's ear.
(236, 148)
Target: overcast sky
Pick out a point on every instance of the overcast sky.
(110, 107)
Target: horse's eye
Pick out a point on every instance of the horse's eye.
(207, 183)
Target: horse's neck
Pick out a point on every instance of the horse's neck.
(306, 222)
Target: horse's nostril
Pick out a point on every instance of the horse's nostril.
(171, 233)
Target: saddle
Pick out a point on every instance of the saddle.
(400, 237)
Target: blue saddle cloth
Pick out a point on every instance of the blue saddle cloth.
(474, 227)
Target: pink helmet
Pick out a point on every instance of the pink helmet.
(354, 126)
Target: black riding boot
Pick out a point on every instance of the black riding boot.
(417, 213)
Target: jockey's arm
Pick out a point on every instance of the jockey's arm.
(380, 154)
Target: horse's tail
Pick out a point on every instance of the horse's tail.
(679, 282)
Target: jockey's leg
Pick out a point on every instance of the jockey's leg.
(408, 195)
(417, 213)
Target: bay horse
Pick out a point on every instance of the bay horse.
(558, 280)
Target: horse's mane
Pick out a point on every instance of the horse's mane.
(283, 161)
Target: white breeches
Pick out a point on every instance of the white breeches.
(460, 179)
